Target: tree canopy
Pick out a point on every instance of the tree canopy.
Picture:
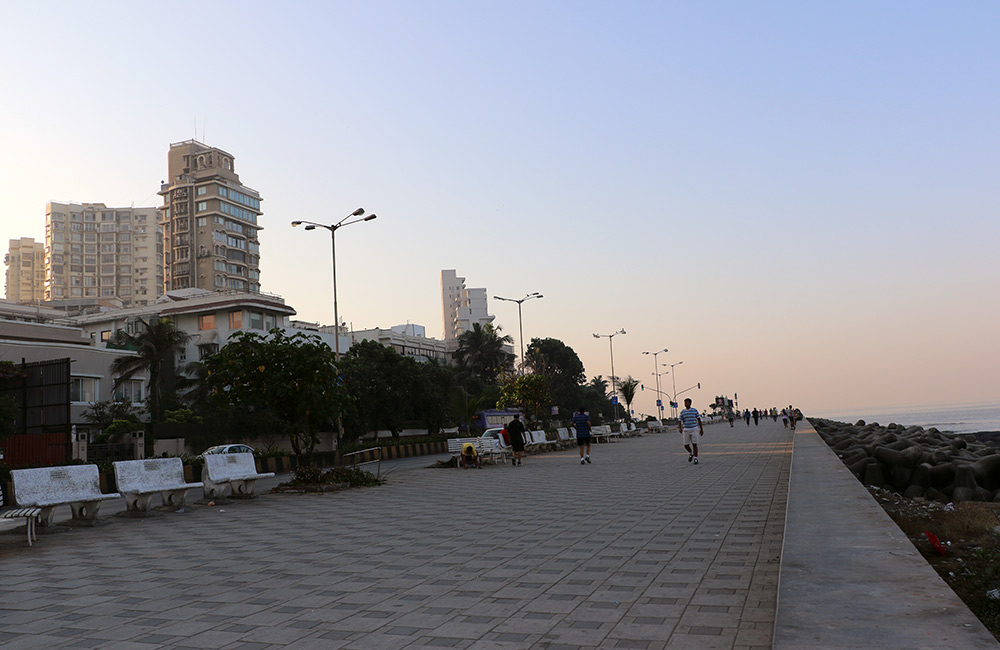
(288, 384)
(531, 392)
(480, 355)
(561, 366)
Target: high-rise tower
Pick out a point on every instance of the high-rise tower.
(209, 222)
(96, 252)
(25, 270)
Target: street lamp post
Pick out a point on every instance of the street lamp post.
(520, 328)
(659, 408)
(673, 378)
(614, 388)
(311, 225)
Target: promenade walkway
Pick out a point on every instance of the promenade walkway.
(641, 549)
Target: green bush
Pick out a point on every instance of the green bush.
(353, 476)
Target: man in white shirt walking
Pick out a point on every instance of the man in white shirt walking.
(689, 424)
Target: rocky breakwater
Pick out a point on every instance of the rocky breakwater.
(916, 462)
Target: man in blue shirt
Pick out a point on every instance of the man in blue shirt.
(582, 423)
(687, 422)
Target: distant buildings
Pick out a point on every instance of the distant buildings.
(209, 317)
(25, 262)
(463, 307)
(96, 252)
(408, 340)
(209, 222)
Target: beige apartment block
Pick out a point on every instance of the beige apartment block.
(94, 252)
(25, 262)
(209, 221)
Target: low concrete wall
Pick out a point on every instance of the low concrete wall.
(849, 576)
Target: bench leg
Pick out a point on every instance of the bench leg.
(45, 518)
(244, 488)
(85, 510)
(214, 490)
(30, 525)
(137, 502)
(174, 498)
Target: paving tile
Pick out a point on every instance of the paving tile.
(644, 553)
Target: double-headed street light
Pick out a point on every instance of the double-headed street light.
(311, 225)
(520, 329)
(673, 378)
(614, 388)
(659, 407)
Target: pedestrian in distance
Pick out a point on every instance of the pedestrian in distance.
(791, 417)
(731, 418)
(746, 416)
(516, 432)
(756, 417)
(784, 417)
(582, 423)
(690, 428)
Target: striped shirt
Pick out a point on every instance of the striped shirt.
(690, 418)
(582, 423)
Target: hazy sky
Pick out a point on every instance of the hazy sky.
(798, 199)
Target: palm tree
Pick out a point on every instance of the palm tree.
(156, 346)
(480, 352)
(626, 388)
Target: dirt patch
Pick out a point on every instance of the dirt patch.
(967, 554)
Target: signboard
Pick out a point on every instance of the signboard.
(614, 399)
(659, 403)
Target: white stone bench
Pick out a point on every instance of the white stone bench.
(139, 480)
(600, 432)
(654, 425)
(538, 439)
(566, 437)
(78, 486)
(488, 448)
(236, 472)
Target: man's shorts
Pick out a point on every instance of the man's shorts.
(582, 440)
(690, 436)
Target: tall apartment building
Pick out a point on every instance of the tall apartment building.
(209, 222)
(25, 262)
(96, 252)
(462, 306)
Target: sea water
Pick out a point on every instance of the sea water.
(969, 418)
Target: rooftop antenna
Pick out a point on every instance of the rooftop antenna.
(203, 122)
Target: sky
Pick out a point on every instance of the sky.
(798, 200)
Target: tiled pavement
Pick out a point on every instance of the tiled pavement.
(641, 549)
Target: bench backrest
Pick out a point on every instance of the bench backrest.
(487, 445)
(563, 433)
(538, 437)
(45, 485)
(601, 429)
(455, 444)
(149, 474)
(224, 467)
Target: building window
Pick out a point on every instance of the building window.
(256, 320)
(129, 390)
(202, 206)
(202, 190)
(207, 349)
(206, 322)
(83, 390)
(235, 320)
(106, 335)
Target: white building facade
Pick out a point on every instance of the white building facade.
(462, 307)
